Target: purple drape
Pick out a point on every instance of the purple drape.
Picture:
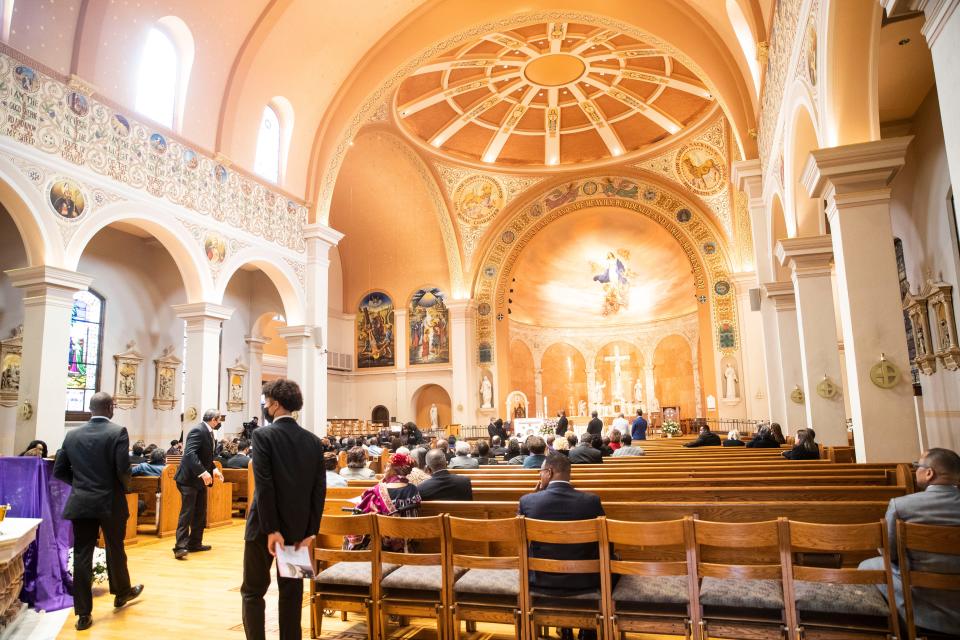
(28, 486)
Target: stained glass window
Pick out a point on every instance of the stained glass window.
(83, 357)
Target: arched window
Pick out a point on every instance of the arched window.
(273, 140)
(741, 27)
(85, 350)
(164, 72)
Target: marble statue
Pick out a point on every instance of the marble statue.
(582, 408)
(598, 388)
(486, 394)
(638, 391)
(434, 417)
(730, 375)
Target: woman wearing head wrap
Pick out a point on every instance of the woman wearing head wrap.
(394, 495)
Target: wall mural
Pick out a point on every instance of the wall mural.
(40, 110)
(215, 247)
(11, 351)
(429, 320)
(614, 275)
(375, 327)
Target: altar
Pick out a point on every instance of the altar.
(16, 535)
(523, 427)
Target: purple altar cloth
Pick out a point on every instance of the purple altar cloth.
(28, 486)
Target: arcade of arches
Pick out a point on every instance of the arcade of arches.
(502, 211)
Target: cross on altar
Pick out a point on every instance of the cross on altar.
(616, 359)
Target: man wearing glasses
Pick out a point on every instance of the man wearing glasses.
(936, 502)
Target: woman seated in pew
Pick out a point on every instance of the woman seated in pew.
(395, 495)
(615, 440)
(330, 465)
(806, 447)
(356, 468)
(763, 440)
(733, 439)
(777, 433)
(562, 446)
(153, 467)
(483, 453)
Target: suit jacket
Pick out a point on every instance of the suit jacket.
(562, 425)
(763, 443)
(239, 461)
(464, 462)
(595, 426)
(560, 501)
(290, 482)
(197, 457)
(708, 439)
(638, 430)
(533, 461)
(799, 453)
(582, 454)
(733, 443)
(444, 485)
(95, 461)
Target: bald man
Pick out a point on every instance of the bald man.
(443, 485)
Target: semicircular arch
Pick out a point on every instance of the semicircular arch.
(41, 239)
(280, 274)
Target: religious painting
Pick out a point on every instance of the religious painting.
(83, 355)
(429, 328)
(165, 387)
(78, 103)
(236, 387)
(67, 199)
(700, 167)
(478, 199)
(614, 275)
(158, 143)
(216, 248)
(11, 350)
(811, 51)
(128, 377)
(26, 78)
(486, 353)
(120, 125)
(375, 327)
(726, 336)
(190, 159)
(221, 174)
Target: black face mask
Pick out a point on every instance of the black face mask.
(269, 415)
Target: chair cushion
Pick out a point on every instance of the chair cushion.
(419, 577)
(859, 599)
(505, 582)
(660, 590)
(354, 574)
(751, 594)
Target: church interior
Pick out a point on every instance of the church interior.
(715, 212)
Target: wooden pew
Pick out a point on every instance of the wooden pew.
(161, 517)
(239, 479)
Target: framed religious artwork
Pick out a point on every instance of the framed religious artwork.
(236, 386)
(11, 350)
(939, 296)
(128, 377)
(917, 312)
(165, 387)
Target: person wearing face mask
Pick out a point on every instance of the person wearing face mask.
(194, 476)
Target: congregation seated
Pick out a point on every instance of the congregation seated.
(153, 466)
(516, 452)
(538, 449)
(706, 438)
(176, 449)
(241, 459)
(227, 451)
(627, 448)
(561, 446)
(483, 453)
(36, 448)
(619, 424)
(733, 439)
(136, 452)
(604, 446)
(777, 433)
(585, 452)
(395, 495)
(615, 440)
(572, 439)
(444, 446)
(330, 465)
(463, 459)
(418, 475)
(937, 502)
(806, 447)
(496, 447)
(443, 485)
(356, 468)
(764, 439)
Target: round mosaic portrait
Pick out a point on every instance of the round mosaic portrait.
(489, 271)
(589, 188)
(700, 167)
(483, 309)
(722, 288)
(684, 215)
(478, 199)
(507, 237)
(216, 248)
(709, 248)
(78, 103)
(67, 199)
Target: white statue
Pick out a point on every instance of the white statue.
(730, 375)
(638, 391)
(582, 408)
(598, 388)
(486, 393)
(617, 359)
(434, 417)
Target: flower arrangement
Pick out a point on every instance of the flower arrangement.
(671, 428)
(549, 427)
(99, 565)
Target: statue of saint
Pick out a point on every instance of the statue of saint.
(598, 388)
(486, 393)
(730, 375)
(434, 417)
(638, 391)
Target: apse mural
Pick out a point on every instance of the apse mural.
(429, 335)
(375, 325)
(614, 276)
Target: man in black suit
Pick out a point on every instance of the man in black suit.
(443, 485)
(561, 423)
(496, 447)
(95, 461)
(195, 474)
(585, 452)
(242, 459)
(287, 504)
(595, 426)
(706, 438)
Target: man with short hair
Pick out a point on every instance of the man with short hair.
(136, 452)
(585, 452)
(242, 458)
(174, 449)
(537, 448)
(94, 460)
(619, 424)
(193, 477)
(936, 502)
(562, 423)
(627, 448)
(706, 438)
(463, 460)
(443, 485)
(496, 447)
(595, 426)
(638, 430)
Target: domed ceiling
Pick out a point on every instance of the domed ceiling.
(600, 267)
(550, 94)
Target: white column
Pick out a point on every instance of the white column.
(591, 382)
(650, 395)
(320, 239)
(747, 177)
(809, 261)
(47, 304)
(463, 361)
(299, 339)
(255, 373)
(204, 323)
(697, 387)
(401, 357)
(855, 182)
(538, 391)
(788, 349)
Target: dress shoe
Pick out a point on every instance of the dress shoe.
(84, 623)
(203, 547)
(135, 591)
(179, 554)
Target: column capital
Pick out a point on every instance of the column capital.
(854, 168)
(47, 276)
(744, 280)
(747, 176)
(323, 233)
(202, 311)
(807, 256)
(295, 331)
(461, 307)
(782, 295)
(256, 342)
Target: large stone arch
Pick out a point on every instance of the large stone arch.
(280, 274)
(801, 136)
(32, 216)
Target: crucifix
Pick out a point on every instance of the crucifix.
(616, 359)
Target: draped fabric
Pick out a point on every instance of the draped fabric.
(28, 486)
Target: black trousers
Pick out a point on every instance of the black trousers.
(193, 517)
(256, 581)
(84, 540)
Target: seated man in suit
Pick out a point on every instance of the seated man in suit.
(463, 460)
(706, 438)
(557, 499)
(936, 502)
(442, 484)
(242, 458)
(496, 447)
(585, 453)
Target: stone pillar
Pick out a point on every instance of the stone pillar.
(697, 387)
(401, 357)
(47, 304)
(538, 391)
(809, 262)
(855, 182)
(788, 350)
(591, 381)
(255, 373)
(204, 322)
(320, 239)
(463, 361)
(650, 395)
(747, 176)
(754, 393)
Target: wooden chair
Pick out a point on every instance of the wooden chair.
(656, 591)
(924, 538)
(490, 590)
(841, 601)
(742, 591)
(346, 580)
(587, 611)
(416, 586)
